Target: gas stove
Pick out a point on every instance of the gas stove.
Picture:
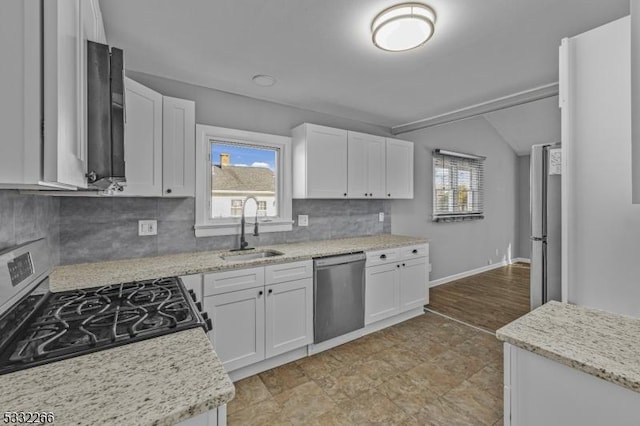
(42, 327)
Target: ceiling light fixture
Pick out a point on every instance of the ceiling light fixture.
(264, 80)
(403, 27)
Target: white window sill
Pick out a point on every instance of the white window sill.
(233, 228)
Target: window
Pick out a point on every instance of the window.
(457, 186)
(234, 165)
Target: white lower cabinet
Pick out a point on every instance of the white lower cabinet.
(539, 391)
(238, 326)
(289, 323)
(396, 281)
(252, 325)
(413, 284)
(382, 292)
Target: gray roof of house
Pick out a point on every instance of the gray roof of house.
(234, 178)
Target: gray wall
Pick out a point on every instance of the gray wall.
(94, 229)
(28, 217)
(462, 246)
(524, 224)
(224, 109)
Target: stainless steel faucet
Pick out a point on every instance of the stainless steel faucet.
(243, 241)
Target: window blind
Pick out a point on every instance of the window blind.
(458, 186)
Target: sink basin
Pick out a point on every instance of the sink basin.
(251, 255)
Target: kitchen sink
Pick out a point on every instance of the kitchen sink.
(252, 255)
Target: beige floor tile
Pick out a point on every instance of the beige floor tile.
(372, 407)
(406, 394)
(345, 384)
(304, 402)
(319, 365)
(283, 378)
(426, 348)
(476, 402)
(349, 353)
(442, 413)
(261, 413)
(248, 391)
(500, 422)
(401, 358)
(332, 418)
(490, 380)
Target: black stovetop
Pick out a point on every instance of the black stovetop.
(56, 326)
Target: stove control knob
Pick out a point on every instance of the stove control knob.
(193, 295)
(209, 324)
(199, 306)
(205, 315)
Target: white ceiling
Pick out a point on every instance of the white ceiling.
(321, 54)
(525, 125)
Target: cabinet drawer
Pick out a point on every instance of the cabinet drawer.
(380, 257)
(274, 274)
(411, 252)
(224, 282)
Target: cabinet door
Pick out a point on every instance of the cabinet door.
(399, 174)
(65, 149)
(326, 162)
(382, 295)
(376, 167)
(142, 141)
(289, 316)
(413, 283)
(179, 147)
(357, 170)
(238, 327)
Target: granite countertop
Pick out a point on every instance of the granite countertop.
(596, 342)
(70, 277)
(159, 381)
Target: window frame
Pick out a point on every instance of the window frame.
(477, 170)
(205, 225)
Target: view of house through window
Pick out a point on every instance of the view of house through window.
(239, 171)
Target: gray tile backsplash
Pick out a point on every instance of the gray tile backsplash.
(93, 229)
(29, 217)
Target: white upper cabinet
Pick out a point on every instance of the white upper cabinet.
(399, 176)
(159, 144)
(319, 162)
(142, 141)
(336, 163)
(179, 147)
(365, 166)
(45, 124)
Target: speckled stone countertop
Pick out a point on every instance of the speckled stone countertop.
(71, 277)
(159, 381)
(596, 342)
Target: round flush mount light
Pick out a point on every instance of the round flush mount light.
(264, 80)
(403, 27)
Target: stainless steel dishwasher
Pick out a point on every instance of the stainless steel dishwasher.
(338, 290)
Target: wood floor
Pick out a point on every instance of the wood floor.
(488, 300)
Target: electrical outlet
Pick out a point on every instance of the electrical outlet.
(303, 220)
(381, 217)
(147, 227)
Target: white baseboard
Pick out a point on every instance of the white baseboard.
(471, 272)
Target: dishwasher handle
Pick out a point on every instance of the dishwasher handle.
(338, 260)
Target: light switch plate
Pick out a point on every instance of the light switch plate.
(381, 217)
(303, 220)
(147, 227)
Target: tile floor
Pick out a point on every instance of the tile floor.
(426, 371)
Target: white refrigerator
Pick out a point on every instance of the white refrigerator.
(546, 239)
